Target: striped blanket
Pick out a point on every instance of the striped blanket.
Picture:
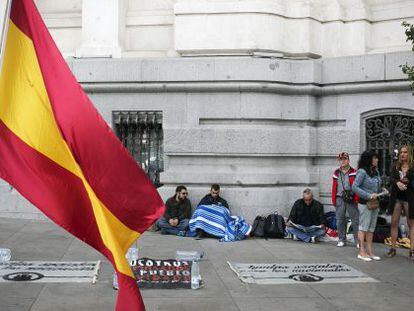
(217, 220)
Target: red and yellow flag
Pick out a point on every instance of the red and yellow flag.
(58, 152)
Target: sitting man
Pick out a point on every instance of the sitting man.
(213, 198)
(306, 221)
(212, 218)
(177, 213)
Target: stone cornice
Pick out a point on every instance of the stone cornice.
(259, 87)
(356, 74)
(322, 11)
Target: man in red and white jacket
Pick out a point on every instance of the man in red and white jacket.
(343, 199)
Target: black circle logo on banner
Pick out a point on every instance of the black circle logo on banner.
(23, 276)
(306, 277)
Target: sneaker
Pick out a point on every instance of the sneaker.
(295, 238)
(181, 233)
(364, 258)
(340, 244)
(191, 234)
(313, 240)
(200, 234)
(375, 257)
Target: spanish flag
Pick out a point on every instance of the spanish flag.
(58, 152)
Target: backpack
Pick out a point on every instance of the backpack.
(258, 226)
(331, 220)
(382, 230)
(271, 226)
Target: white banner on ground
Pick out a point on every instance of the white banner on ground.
(49, 271)
(293, 273)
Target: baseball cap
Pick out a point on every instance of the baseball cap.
(343, 155)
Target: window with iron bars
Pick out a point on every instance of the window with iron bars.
(141, 133)
(385, 134)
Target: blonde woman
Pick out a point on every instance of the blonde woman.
(402, 196)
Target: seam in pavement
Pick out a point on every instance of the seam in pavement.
(323, 298)
(26, 223)
(228, 289)
(263, 245)
(71, 243)
(319, 294)
(224, 284)
(44, 286)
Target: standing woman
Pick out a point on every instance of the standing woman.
(410, 176)
(402, 195)
(367, 185)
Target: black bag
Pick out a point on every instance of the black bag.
(346, 195)
(275, 226)
(382, 230)
(381, 233)
(258, 227)
(271, 226)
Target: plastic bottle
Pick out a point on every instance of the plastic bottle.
(195, 276)
(132, 256)
(5, 254)
(403, 230)
(189, 255)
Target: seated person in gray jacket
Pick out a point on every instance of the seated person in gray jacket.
(177, 213)
(214, 198)
(306, 221)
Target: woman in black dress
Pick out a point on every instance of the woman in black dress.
(402, 196)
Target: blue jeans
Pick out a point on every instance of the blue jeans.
(305, 236)
(367, 218)
(166, 228)
(341, 209)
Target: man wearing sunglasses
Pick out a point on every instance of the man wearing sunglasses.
(177, 213)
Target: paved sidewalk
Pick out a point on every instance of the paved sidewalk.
(41, 240)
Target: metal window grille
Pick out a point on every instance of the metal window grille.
(385, 134)
(141, 133)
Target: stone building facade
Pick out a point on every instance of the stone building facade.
(259, 96)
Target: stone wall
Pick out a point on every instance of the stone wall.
(170, 28)
(299, 28)
(263, 128)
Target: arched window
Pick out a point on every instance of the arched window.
(141, 133)
(385, 134)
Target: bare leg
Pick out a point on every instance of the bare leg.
(411, 223)
(406, 213)
(395, 220)
(361, 238)
(370, 236)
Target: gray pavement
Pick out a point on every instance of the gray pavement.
(42, 240)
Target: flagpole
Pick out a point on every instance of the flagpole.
(4, 33)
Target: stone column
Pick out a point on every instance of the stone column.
(103, 26)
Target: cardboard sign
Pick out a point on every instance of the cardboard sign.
(162, 273)
(293, 273)
(49, 271)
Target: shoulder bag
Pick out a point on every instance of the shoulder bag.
(346, 195)
(373, 204)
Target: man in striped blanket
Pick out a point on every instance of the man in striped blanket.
(212, 217)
